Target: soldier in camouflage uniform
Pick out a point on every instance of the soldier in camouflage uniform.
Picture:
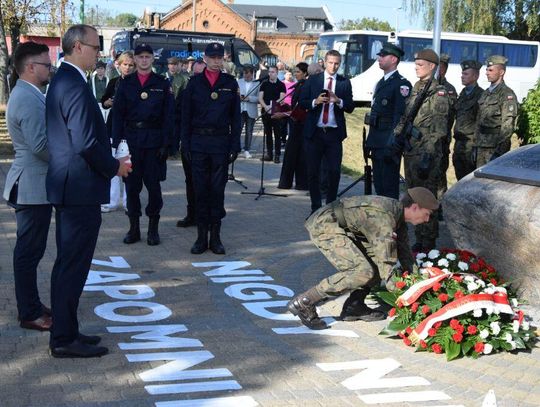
(452, 95)
(423, 161)
(466, 114)
(363, 237)
(497, 114)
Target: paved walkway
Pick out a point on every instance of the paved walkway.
(229, 343)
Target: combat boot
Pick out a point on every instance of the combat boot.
(152, 237)
(188, 221)
(303, 306)
(134, 233)
(201, 244)
(215, 241)
(355, 309)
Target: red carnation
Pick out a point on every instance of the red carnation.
(400, 284)
(457, 278)
(423, 344)
(460, 329)
(484, 275)
(479, 347)
(425, 309)
(457, 337)
(405, 275)
(475, 267)
(407, 341)
(436, 348)
(431, 332)
(458, 294)
(436, 287)
(392, 312)
(491, 269)
(471, 330)
(408, 330)
(443, 297)
(415, 306)
(454, 323)
(400, 304)
(493, 281)
(437, 325)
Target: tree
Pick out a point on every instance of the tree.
(517, 19)
(124, 20)
(372, 24)
(3, 61)
(97, 16)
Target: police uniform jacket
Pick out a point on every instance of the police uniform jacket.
(387, 107)
(143, 115)
(211, 119)
(466, 113)
(496, 116)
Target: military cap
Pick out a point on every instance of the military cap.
(214, 49)
(173, 60)
(445, 58)
(139, 49)
(100, 64)
(471, 64)
(391, 49)
(424, 198)
(496, 60)
(191, 58)
(427, 54)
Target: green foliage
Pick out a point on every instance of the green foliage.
(124, 20)
(372, 24)
(529, 117)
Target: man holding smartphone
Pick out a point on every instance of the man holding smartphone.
(326, 96)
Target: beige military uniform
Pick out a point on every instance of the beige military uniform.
(466, 115)
(362, 237)
(496, 122)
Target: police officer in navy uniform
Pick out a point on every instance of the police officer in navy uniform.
(143, 114)
(387, 107)
(210, 134)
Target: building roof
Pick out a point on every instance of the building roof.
(290, 19)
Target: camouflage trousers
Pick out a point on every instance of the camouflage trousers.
(347, 254)
(444, 164)
(485, 154)
(426, 233)
(462, 158)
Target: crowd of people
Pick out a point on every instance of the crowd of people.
(66, 143)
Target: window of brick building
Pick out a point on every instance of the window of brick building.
(266, 24)
(206, 24)
(314, 25)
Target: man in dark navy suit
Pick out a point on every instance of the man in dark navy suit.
(78, 182)
(387, 107)
(326, 96)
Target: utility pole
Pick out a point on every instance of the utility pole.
(437, 27)
(81, 12)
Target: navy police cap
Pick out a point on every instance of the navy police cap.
(139, 49)
(214, 49)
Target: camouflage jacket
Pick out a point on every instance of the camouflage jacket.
(466, 113)
(379, 223)
(431, 120)
(452, 96)
(496, 116)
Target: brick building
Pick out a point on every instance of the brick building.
(287, 34)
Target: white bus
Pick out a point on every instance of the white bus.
(359, 57)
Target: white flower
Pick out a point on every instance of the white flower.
(489, 310)
(477, 313)
(488, 347)
(427, 264)
(513, 344)
(424, 272)
(463, 266)
(468, 279)
(500, 289)
(472, 286)
(525, 325)
(508, 337)
(433, 254)
(421, 256)
(480, 283)
(495, 328)
(489, 290)
(484, 333)
(451, 256)
(514, 302)
(443, 263)
(446, 271)
(515, 326)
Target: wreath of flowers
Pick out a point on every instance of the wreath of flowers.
(457, 305)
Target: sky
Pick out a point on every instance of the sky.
(339, 9)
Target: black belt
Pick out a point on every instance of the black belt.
(210, 131)
(327, 129)
(143, 125)
(490, 130)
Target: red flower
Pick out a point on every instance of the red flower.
(407, 341)
(457, 278)
(423, 344)
(457, 337)
(425, 309)
(443, 297)
(437, 325)
(471, 330)
(484, 275)
(460, 329)
(436, 287)
(400, 284)
(400, 304)
(401, 335)
(431, 332)
(392, 312)
(454, 323)
(408, 330)
(458, 294)
(479, 347)
(415, 306)
(493, 281)
(490, 268)
(436, 348)
(405, 275)
(475, 267)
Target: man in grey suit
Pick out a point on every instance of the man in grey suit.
(25, 181)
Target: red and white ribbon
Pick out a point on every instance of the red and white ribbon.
(416, 290)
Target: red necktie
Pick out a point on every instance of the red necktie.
(326, 108)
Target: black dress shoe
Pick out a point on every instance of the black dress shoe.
(186, 222)
(78, 349)
(89, 339)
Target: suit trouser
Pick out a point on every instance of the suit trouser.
(190, 192)
(33, 223)
(249, 123)
(210, 173)
(294, 161)
(77, 229)
(385, 174)
(273, 144)
(325, 145)
(147, 169)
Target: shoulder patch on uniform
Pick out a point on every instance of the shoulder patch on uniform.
(509, 97)
(441, 93)
(404, 90)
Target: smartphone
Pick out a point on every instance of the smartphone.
(325, 93)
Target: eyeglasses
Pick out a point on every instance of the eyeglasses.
(48, 66)
(94, 47)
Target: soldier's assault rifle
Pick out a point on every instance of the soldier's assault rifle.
(400, 141)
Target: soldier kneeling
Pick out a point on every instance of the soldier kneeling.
(363, 237)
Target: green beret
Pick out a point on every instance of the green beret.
(391, 49)
(445, 58)
(470, 64)
(496, 60)
(427, 55)
(423, 197)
